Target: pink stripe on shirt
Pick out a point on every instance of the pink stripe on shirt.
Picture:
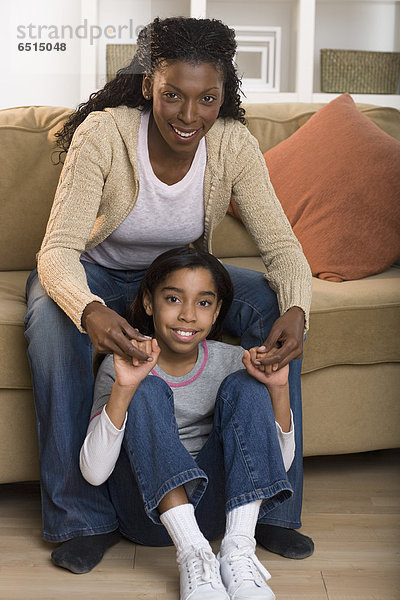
(199, 372)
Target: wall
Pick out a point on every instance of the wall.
(38, 77)
(55, 76)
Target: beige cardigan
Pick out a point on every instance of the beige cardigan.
(99, 186)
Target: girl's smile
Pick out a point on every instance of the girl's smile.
(184, 308)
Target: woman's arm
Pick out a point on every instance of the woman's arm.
(287, 269)
(72, 218)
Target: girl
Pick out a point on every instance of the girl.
(153, 160)
(200, 436)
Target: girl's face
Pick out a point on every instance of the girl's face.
(184, 308)
(186, 103)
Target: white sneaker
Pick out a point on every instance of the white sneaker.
(243, 575)
(200, 576)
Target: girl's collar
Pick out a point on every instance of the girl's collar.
(176, 382)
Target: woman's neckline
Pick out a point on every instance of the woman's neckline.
(144, 128)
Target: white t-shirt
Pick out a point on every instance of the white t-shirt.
(164, 216)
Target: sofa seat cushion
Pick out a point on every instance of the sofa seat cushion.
(14, 368)
(352, 322)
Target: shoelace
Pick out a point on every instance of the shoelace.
(248, 567)
(202, 564)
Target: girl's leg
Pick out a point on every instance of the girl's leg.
(150, 486)
(255, 480)
(253, 312)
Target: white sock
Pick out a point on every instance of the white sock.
(181, 524)
(240, 525)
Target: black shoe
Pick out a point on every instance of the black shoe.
(81, 554)
(286, 542)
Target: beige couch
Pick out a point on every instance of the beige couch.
(351, 370)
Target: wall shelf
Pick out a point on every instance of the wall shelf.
(307, 26)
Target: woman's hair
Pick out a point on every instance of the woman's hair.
(174, 260)
(173, 39)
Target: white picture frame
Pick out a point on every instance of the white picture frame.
(265, 44)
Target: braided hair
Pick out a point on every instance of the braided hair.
(166, 40)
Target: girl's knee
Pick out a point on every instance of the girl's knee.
(240, 389)
(236, 382)
(153, 396)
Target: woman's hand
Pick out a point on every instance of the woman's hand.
(264, 373)
(129, 373)
(110, 333)
(285, 340)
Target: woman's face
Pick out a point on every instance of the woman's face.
(186, 103)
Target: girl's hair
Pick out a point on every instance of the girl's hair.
(173, 39)
(167, 263)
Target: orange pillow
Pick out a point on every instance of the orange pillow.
(338, 180)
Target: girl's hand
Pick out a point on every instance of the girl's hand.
(264, 373)
(129, 373)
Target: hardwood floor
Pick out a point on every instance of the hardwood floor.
(351, 510)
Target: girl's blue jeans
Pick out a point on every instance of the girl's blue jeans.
(240, 462)
(61, 365)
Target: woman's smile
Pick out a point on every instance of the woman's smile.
(185, 135)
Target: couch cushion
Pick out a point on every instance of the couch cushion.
(28, 179)
(338, 180)
(14, 368)
(271, 122)
(352, 323)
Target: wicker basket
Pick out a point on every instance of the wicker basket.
(118, 56)
(360, 72)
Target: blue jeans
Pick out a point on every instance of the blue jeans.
(240, 462)
(61, 366)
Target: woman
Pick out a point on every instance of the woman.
(153, 159)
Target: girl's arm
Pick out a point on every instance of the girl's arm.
(276, 383)
(103, 441)
(278, 388)
(129, 374)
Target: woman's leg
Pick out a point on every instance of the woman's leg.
(61, 366)
(253, 312)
